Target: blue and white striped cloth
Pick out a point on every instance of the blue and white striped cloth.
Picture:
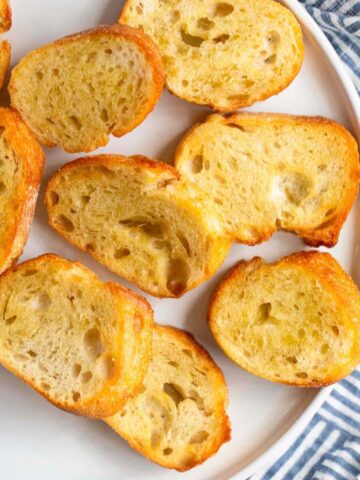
(329, 448)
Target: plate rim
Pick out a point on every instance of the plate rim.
(318, 36)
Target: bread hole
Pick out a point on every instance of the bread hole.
(274, 38)
(65, 223)
(196, 164)
(293, 360)
(75, 122)
(20, 357)
(185, 243)
(263, 315)
(325, 348)
(335, 330)
(167, 451)
(106, 367)
(235, 125)
(205, 23)
(277, 145)
(54, 198)
(55, 72)
(104, 115)
(49, 120)
(91, 57)
(76, 396)
(330, 212)
(326, 223)
(185, 83)
(271, 59)
(108, 51)
(41, 301)
(221, 38)
(121, 253)
(295, 186)
(174, 16)
(2, 187)
(187, 352)
(152, 229)
(86, 377)
(90, 247)
(93, 343)
(322, 167)
(302, 375)
(178, 273)
(10, 320)
(173, 364)
(76, 370)
(191, 40)
(199, 437)
(45, 386)
(174, 392)
(161, 244)
(32, 354)
(193, 395)
(222, 9)
(39, 75)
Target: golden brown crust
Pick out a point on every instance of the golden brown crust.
(5, 53)
(134, 35)
(5, 16)
(109, 400)
(217, 248)
(23, 142)
(324, 268)
(329, 234)
(241, 103)
(220, 411)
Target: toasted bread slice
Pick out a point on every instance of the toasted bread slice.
(81, 343)
(222, 54)
(78, 90)
(5, 16)
(5, 52)
(179, 419)
(295, 321)
(21, 167)
(269, 171)
(138, 218)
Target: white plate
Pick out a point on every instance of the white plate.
(39, 441)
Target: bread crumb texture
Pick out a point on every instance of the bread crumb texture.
(178, 420)
(5, 16)
(265, 172)
(138, 218)
(76, 340)
(78, 90)
(222, 54)
(295, 321)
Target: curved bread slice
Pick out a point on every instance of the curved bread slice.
(135, 216)
(5, 16)
(226, 54)
(178, 420)
(81, 343)
(295, 321)
(21, 167)
(5, 52)
(268, 171)
(78, 90)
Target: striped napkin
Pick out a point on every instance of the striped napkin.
(329, 448)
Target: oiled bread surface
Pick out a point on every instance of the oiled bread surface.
(21, 168)
(226, 54)
(81, 343)
(138, 218)
(265, 172)
(76, 91)
(179, 419)
(294, 321)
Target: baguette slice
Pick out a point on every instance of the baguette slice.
(81, 343)
(222, 54)
(76, 91)
(295, 321)
(266, 172)
(138, 218)
(5, 16)
(179, 419)
(21, 168)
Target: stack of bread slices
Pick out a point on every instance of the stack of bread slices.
(93, 348)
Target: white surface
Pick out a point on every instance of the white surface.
(38, 441)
